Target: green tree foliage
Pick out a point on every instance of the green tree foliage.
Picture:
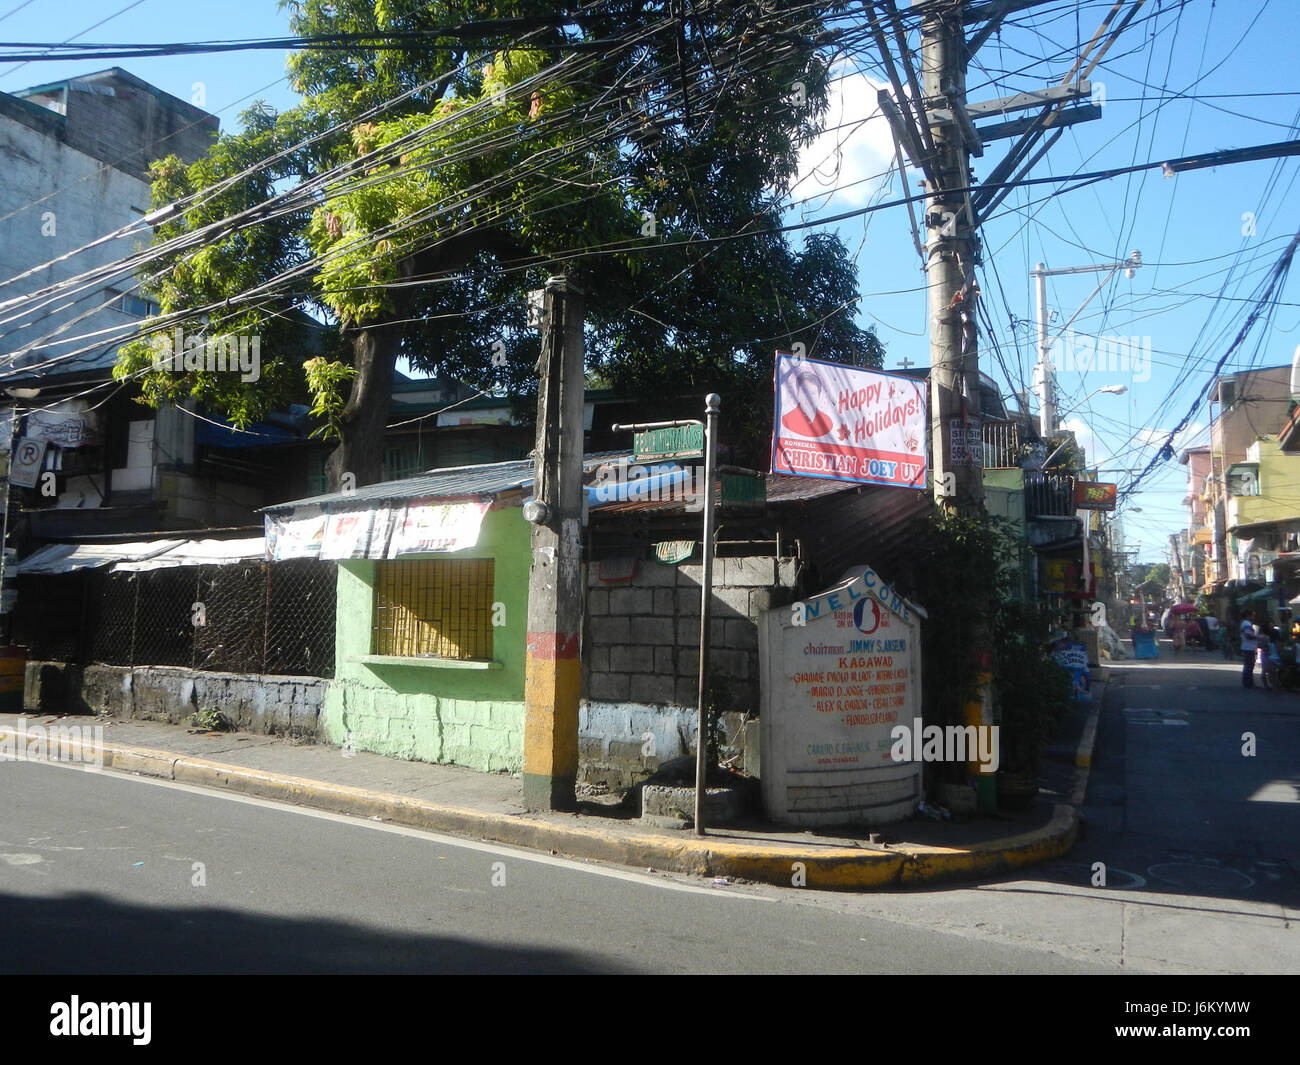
(632, 166)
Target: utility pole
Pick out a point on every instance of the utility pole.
(952, 249)
(553, 670)
(1043, 371)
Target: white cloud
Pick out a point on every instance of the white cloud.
(850, 159)
(1185, 438)
(1095, 451)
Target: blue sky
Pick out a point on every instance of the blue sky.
(1194, 77)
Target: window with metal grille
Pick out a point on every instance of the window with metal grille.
(433, 608)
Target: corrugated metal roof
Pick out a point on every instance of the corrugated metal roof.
(454, 482)
(785, 489)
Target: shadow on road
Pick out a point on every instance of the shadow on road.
(88, 934)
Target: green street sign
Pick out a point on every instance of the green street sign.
(676, 442)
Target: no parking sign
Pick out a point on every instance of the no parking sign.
(28, 458)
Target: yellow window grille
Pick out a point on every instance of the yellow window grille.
(433, 608)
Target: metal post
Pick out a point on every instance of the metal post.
(4, 523)
(712, 404)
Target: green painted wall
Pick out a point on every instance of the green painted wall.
(472, 718)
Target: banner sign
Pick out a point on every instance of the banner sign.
(1073, 656)
(844, 423)
(437, 527)
(63, 429)
(296, 536)
(1093, 495)
(347, 534)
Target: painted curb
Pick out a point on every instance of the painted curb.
(784, 865)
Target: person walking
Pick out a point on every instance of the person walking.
(1248, 650)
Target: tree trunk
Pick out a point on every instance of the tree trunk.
(361, 447)
(374, 356)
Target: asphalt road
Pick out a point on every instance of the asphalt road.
(1187, 863)
(98, 874)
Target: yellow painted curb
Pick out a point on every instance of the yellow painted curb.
(784, 865)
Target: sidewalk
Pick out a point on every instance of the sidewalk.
(485, 806)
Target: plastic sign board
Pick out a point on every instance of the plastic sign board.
(1093, 495)
(848, 424)
(674, 442)
(839, 672)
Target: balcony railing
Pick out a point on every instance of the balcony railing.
(1001, 444)
(1049, 495)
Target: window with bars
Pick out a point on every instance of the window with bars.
(433, 608)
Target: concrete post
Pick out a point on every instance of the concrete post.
(553, 671)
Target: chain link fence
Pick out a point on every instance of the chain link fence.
(248, 617)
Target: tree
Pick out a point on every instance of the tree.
(631, 143)
(1159, 571)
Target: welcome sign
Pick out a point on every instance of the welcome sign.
(848, 424)
(839, 673)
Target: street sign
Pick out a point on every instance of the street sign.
(28, 458)
(674, 442)
(1093, 495)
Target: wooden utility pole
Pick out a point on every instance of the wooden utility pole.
(553, 670)
(952, 249)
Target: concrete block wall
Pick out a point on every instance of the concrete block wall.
(271, 705)
(642, 635)
(620, 744)
(641, 658)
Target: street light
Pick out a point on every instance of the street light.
(1110, 390)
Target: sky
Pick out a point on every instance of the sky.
(1191, 77)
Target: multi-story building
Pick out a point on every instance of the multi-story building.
(1200, 532)
(1244, 526)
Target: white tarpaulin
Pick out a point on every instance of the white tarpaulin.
(437, 527)
(201, 553)
(384, 532)
(68, 558)
(348, 534)
(298, 535)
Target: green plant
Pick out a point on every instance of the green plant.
(211, 719)
(1031, 691)
(979, 623)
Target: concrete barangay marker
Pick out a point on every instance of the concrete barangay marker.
(838, 672)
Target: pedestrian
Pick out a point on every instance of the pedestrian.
(1261, 654)
(1248, 650)
(1211, 630)
(1203, 624)
(1178, 633)
(1271, 660)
